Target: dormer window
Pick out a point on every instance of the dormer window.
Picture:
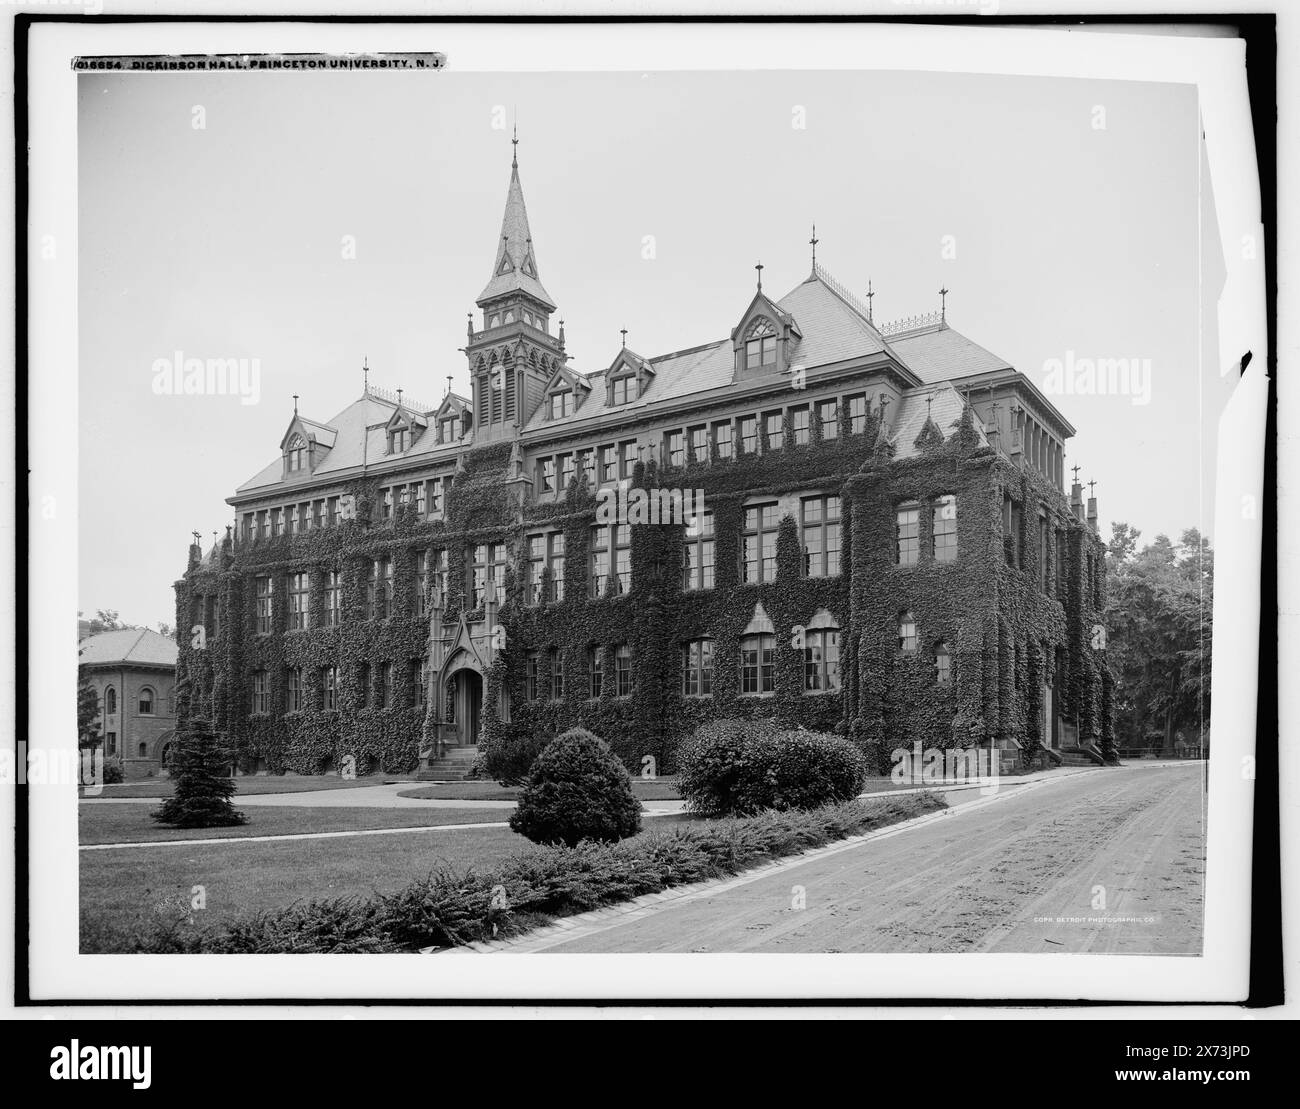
(449, 429)
(561, 404)
(295, 455)
(622, 390)
(399, 440)
(760, 345)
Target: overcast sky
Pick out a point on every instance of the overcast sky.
(228, 241)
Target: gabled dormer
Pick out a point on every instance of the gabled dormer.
(304, 445)
(453, 419)
(402, 430)
(564, 394)
(628, 377)
(764, 338)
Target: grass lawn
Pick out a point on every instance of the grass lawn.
(131, 823)
(644, 789)
(121, 888)
(252, 785)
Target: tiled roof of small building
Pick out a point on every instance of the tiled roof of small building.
(131, 645)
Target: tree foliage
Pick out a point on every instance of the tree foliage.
(1161, 602)
(87, 711)
(202, 797)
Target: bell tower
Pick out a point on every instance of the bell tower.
(513, 353)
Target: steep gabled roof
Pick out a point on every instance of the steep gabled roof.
(833, 328)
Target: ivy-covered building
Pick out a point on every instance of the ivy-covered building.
(877, 540)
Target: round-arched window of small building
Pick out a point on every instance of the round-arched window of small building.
(110, 700)
(146, 701)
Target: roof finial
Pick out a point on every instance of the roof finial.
(814, 241)
(295, 404)
(623, 332)
(929, 400)
(365, 373)
(469, 324)
(1075, 470)
(399, 398)
(514, 142)
(943, 305)
(449, 385)
(561, 334)
(759, 267)
(1092, 492)
(870, 294)
(197, 537)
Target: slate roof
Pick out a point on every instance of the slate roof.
(515, 250)
(833, 328)
(131, 645)
(942, 354)
(945, 410)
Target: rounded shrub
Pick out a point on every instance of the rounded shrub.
(510, 754)
(576, 790)
(740, 767)
(113, 774)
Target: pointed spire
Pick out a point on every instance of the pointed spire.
(813, 242)
(870, 294)
(365, 374)
(943, 304)
(515, 267)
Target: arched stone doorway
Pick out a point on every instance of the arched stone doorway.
(463, 701)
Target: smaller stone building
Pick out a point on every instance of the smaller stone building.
(134, 675)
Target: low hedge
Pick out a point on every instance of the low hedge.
(452, 907)
(733, 767)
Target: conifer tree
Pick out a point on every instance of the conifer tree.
(203, 792)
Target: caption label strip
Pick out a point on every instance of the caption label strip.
(200, 63)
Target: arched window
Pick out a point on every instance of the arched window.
(821, 654)
(758, 656)
(942, 663)
(146, 701)
(144, 750)
(907, 632)
(760, 345)
(295, 454)
(110, 701)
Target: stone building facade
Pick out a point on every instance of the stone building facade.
(842, 524)
(133, 673)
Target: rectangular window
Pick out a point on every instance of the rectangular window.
(317, 514)
(546, 551)
(379, 590)
(385, 691)
(423, 563)
(630, 457)
(299, 594)
(1042, 551)
(757, 665)
(748, 435)
(568, 467)
(611, 558)
(722, 439)
(436, 488)
(907, 638)
(421, 499)
(758, 544)
(623, 390)
(828, 419)
(333, 598)
(545, 476)
(419, 672)
(263, 524)
(250, 522)
(774, 424)
(536, 564)
(697, 668)
(1017, 531)
(623, 670)
(587, 464)
(821, 660)
(533, 664)
(608, 464)
(944, 523)
(799, 431)
(386, 504)
(260, 694)
(907, 535)
(1061, 578)
(488, 562)
(595, 672)
(675, 451)
(561, 404)
(820, 520)
(857, 413)
(332, 511)
(699, 437)
(295, 689)
(557, 675)
(265, 597)
(329, 692)
(697, 554)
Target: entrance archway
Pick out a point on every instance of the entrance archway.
(465, 705)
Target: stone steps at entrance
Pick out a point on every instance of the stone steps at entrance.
(454, 766)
